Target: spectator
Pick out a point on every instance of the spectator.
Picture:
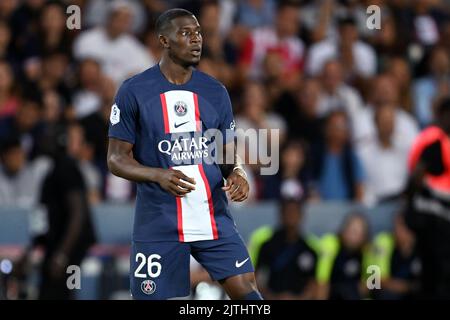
(70, 229)
(25, 124)
(384, 91)
(302, 115)
(318, 19)
(321, 17)
(55, 67)
(387, 42)
(217, 51)
(7, 8)
(53, 108)
(20, 180)
(121, 55)
(256, 112)
(82, 152)
(281, 39)
(96, 125)
(254, 14)
(292, 179)
(384, 160)
(95, 13)
(337, 172)
(396, 255)
(445, 39)
(8, 99)
(86, 99)
(25, 24)
(422, 22)
(398, 68)
(274, 79)
(6, 52)
(286, 262)
(336, 94)
(341, 261)
(255, 115)
(52, 34)
(435, 83)
(358, 58)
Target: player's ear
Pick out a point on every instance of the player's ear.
(164, 41)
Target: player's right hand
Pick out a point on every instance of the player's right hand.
(175, 182)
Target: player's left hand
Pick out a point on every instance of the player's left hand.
(237, 186)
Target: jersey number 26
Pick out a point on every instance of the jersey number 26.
(152, 263)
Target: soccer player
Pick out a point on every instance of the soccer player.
(158, 138)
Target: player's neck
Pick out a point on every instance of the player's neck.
(173, 72)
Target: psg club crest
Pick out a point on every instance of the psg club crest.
(148, 287)
(180, 108)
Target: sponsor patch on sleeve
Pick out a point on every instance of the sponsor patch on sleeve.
(115, 114)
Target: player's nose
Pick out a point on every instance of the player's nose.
(196, 39)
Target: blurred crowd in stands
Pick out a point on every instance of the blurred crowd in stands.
(348, 101)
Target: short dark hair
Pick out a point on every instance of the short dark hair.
(288, 4)
(166, 18)
(346, 20)
(339, 112)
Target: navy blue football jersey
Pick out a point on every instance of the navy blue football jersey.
(176, 126)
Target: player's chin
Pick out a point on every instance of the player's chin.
(192, 61)
(195, 62)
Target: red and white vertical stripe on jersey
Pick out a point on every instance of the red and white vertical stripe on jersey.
(210, 202)
(174, 121)
(164, 111)
(195, 211)
(197, 113)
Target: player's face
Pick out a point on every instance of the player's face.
(185, 41)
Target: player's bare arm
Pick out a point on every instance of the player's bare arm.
(122, 164)
(237, 186)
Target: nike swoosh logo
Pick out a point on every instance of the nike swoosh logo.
(176, 125)
(240, 264)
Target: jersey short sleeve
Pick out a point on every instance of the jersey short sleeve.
(124, 115)
(227, 124)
